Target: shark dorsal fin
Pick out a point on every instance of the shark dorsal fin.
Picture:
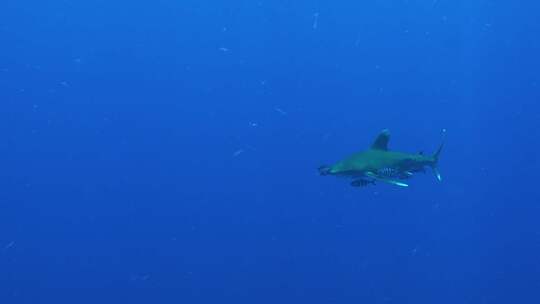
(381, 142)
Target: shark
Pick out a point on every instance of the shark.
(379, 164)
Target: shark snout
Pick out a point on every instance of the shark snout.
(325, 170)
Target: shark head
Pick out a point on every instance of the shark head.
(343, 168)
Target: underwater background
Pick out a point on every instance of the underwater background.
(166, 151)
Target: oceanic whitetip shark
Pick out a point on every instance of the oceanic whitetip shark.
(380, 164)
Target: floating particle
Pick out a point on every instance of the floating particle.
(139, 277)
(9, 245)
(280, 111)
(238, 152)
(315, 20)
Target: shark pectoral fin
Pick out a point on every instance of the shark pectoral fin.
(395, 182)
(437, 174)
(386, 180)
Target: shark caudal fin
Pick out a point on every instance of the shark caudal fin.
(436, 158)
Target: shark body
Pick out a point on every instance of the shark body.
(380, 164)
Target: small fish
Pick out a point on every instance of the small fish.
(387, 172)
(362, 182)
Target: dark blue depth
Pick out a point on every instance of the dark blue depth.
(167, 151)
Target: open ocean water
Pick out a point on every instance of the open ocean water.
(167, 151)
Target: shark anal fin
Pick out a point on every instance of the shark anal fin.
(381, 142)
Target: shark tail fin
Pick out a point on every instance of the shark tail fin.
(436, 157)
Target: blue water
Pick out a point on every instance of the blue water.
(166, 151)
